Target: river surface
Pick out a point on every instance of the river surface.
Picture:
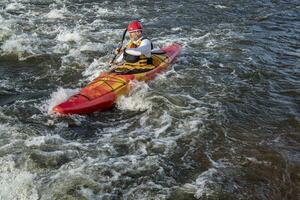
(223, 122)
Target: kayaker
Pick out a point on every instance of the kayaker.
(137, 53)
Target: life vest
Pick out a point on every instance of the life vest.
(137, 61)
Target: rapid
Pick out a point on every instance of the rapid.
(223, 122)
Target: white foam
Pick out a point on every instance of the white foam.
(5, 29)
(61, 48)
(176, 29)
(6, 84)
(98, 65)
(166, 122)
(56, 14)
(163, 41)
(40, 140)
(104, 12)
(14, 6)
(16, 183)
(201, 39)
(21, 45)
(87, 193)
(94, 69)
(4, 128)
(116, 129)
(56, 98)
(89, 46)
(142, 192)
(74, 56)
(67, 36)
(114, 11)
(136, 100)
(211, 43)
(220, 6)
(200, 187)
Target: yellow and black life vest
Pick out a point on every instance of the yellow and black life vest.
(134, 64)
(137, 61)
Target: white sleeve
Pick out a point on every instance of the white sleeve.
(143, 49)
(120, 58)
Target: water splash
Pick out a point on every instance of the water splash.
(16, 183)
(56, 98)
(137, 99)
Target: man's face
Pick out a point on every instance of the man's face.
(134, 36)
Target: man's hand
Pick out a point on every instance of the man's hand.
(110, 62)
(117, 51)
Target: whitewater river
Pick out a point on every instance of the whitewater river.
(223, 122)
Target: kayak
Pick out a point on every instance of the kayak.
(102, 92)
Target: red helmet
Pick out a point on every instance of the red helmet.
(134, 26)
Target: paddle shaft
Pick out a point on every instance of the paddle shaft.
(120, 46)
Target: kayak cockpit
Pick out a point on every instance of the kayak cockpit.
(157, 60)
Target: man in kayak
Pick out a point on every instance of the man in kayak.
(137, 53)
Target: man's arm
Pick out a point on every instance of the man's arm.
(143, 49)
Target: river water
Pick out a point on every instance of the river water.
(223, 122)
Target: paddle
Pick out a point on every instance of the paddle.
(120, 46)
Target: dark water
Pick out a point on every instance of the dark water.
(222, 123)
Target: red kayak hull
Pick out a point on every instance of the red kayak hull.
(103, 92)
